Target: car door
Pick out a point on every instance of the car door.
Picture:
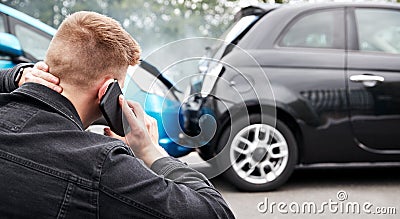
(34, 36)
(34, 42)
(311, 60)
(373, 70)
(5, 60)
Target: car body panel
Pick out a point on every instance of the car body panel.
(375, 111)
(312, 86)
(314, 108)
(9, 44)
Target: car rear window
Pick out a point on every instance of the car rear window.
(321, 29)
(378, 30)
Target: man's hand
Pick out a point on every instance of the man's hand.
(152, 129)
(39, 74)
(143, 135)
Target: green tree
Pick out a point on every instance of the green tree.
(166, 21)
(153, 23)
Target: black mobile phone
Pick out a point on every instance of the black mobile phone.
(112, 112)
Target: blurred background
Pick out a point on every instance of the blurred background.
(159, 22)
(152, 23)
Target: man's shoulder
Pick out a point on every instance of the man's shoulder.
(105, 142)
(85, 153)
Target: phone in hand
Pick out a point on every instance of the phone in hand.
(112, 112)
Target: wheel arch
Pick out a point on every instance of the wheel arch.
(281, 112)
(286, 125)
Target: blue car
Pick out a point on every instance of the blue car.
(159, 98)
(26, 39)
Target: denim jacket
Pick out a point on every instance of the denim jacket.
(51, 168)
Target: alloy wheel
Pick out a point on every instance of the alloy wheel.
(259, 153)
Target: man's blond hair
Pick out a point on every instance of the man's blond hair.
(88, 45)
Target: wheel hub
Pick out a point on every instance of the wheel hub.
(259, 154)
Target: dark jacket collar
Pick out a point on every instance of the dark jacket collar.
(52, 99)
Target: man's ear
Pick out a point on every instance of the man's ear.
(103, 88)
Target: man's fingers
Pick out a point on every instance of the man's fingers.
(133, 107)
(150, 121)
(38, 76)
(154, 121)
(45, 76)
(137, 109)
(42, 66)
(109, 133)
(147, 121)
(29, 77)
(127, 111)
(151, 125)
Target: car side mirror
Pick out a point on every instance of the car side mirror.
(9, 45)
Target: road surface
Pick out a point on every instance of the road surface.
(328, 192)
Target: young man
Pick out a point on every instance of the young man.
(50, 167)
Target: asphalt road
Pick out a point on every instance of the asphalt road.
(319, 192)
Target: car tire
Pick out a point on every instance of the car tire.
(257, 165)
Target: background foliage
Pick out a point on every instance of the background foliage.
(152, 23)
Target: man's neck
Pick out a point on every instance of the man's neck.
(85, 103)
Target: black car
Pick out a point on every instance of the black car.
(298, 85)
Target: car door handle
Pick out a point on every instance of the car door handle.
(367, 80)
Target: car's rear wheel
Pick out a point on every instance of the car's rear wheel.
(260, 156)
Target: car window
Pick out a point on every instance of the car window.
(378, 30)
(32, 42)
(322, 29)
(2, 24)
(5, 60)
